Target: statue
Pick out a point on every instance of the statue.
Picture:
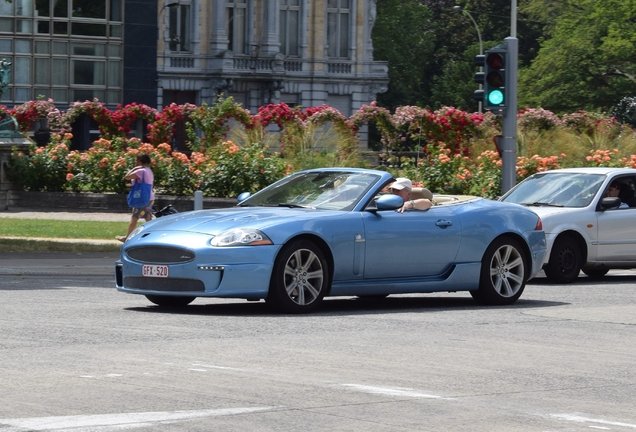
(10, 137)
(5, 75)
(8, 124)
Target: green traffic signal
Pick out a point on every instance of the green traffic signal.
(496, 97)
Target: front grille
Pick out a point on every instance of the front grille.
(160, 255)
(167, 285)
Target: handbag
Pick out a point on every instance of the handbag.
(139, 195)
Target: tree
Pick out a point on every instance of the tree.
(430, 48)
(586, 59)
(402, 37)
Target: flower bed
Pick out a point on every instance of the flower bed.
(454, 149)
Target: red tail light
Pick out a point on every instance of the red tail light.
(539, 226)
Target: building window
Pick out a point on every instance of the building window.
(338, 28)
(289, 26)
(89, 9)
(70, 50)
(237, 26)
(180, 28)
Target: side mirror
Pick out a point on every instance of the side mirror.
(243, 196)
(610, 202)
(389, 202)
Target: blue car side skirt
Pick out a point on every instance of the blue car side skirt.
(459, 277)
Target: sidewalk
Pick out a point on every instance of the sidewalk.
(22, 244)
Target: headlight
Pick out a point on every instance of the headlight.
(241, 237)
(135, 232)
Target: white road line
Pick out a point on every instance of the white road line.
(392, 391)
(102, 422)
(209, 366)
(580, 419)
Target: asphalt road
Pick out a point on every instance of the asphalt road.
(76, 355)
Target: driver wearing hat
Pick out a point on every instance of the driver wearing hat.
(402, 187)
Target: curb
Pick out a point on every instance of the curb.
(25, 244)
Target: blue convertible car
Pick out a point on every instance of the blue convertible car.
(333, 232)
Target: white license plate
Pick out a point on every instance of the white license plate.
(160, 271)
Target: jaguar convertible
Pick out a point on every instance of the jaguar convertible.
(334, 232)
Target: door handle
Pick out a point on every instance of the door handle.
(443, 223)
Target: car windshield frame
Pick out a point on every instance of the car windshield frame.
(320, 190)
(556, 190)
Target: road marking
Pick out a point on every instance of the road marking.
(579, 419)
(103, 422)
(392, 391)
(209, 366)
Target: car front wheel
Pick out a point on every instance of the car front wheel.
(300, 278)
(565, 261)
(170, 301)
(503, 273)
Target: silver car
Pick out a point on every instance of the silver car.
(586, 227)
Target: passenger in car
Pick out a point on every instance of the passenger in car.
(402, 187)
(614, 190)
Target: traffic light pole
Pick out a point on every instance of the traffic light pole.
(499, 96)
(509, 130)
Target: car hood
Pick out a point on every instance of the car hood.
(549, 211)
(213, 222)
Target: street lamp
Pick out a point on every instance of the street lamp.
(481, 45)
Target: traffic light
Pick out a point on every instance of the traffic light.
(479, 77)
(494, 96)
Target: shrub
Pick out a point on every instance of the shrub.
(455, 151)
(231, 169)
(43, 168)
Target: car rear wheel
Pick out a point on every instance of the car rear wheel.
(565, 261)
(170, 301)
(595, 273)
(300, 278)
(503, 273)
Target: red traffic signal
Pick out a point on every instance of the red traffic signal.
(495, 60)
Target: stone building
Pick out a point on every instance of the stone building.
(301, 52)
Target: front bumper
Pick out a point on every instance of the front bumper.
(230, 272)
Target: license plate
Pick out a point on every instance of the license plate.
(160, 271)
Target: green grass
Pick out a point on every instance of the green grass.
(61, 228)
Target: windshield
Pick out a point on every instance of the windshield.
(332, 190)
(558, 190)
